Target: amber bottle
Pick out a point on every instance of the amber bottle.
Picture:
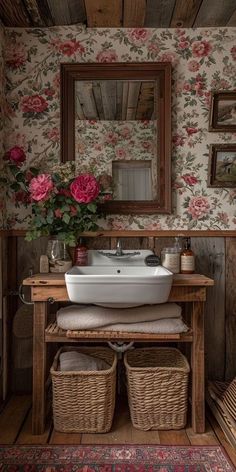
(81, 253)
(187, 258)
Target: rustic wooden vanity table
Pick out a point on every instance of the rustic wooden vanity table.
(47, 288)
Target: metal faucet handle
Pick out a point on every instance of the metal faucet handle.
(119, 251)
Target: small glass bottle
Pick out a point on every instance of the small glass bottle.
(170, 259)
(81, 253)
(187, 258)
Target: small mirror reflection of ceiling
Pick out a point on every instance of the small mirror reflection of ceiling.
(115, 100)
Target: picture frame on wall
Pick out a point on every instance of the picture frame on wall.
(223, 111)
(222, 165)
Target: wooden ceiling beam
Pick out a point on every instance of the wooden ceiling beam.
(103, 13)
(134, 13)
(214, 13)
(13, 13)
(185, 13)
(67, 12)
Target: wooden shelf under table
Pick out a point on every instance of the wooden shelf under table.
(55, 334)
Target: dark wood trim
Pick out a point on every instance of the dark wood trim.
(214, 111)
(212, 178)
(140, 233)
(141, 71)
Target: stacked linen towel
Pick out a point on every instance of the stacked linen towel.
(163, 318)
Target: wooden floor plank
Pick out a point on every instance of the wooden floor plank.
(12, 418)
(65, 438)
(206, 439)
(26, 436)
(174, 438)
(122, 432)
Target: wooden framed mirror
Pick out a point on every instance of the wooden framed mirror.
(116, 119)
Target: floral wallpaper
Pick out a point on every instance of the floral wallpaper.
(203, 60)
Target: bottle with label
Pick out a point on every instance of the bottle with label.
(81, 253)
(187, 258)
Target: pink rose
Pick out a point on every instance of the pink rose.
(40, 187)
(107, 56)
(223, 217)
(193, 66)
(120, 153)
(53, 134)
(191, 130)
(85, 188)
(198, 207)
(68, 48)
(178, 140)
(33, 103)
(16, 154)
(16, 56)
(73, 210)
(233, 52)
(139, 35)
(201, 48)
(190, 179)
(183, 44)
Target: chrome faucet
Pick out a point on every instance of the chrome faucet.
(119, 251)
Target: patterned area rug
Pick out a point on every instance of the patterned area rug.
(114, 459)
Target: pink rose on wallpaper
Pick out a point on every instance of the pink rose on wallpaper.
(201, 48)
(178, 140)
(68, 48)
(16, 56)
(16, 154)
(169, 57)
(190, 179)
(40, 187)
(191, 130)
(21, 197)
(223, 217)
(120, 153)
(183, 44)
(193, 66)
(138, 36)
(33, 103)
(198, 207)
(107, 55)
(53, 134)
(153, 48)
(49, 92)
(233, 52)
(85, 188)
(111, 137)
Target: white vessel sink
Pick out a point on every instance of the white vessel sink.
(122, 282)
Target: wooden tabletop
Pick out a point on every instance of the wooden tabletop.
(59, 279)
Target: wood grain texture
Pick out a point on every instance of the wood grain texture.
(39, 368)
(198, 368)
(158, 14)
(65, 438)
(13, 13)
(139, 233)
(26, 436)
(104, 14)
(67, 12)
(12, 418)
(230, 322)
(174, 438)
(34, 13)
(214, 13)
(210, 260)
(232, 20)
(134, 13)
(208, 438)
(184, 13)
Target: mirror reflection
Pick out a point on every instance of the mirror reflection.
(116, 123)
(116, 134)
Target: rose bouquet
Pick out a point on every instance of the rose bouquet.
(63, 203)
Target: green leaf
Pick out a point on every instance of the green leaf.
(92, 207)
(66, 218)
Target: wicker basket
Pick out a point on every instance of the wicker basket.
(84, 401)
(157, 387)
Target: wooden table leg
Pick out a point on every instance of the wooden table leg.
(39, 367)
(198, 371)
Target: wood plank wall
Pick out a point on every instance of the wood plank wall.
(215, 257)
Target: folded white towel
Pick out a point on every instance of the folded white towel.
(75, 361)
(93, 317)
(167, 326)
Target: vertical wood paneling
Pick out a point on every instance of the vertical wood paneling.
(210, 260)
(214, 13)
(185, 13)
(104, 14)
(230, 371)
(134, 13)
(13, 13)
(67, 12)
(158, 14)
